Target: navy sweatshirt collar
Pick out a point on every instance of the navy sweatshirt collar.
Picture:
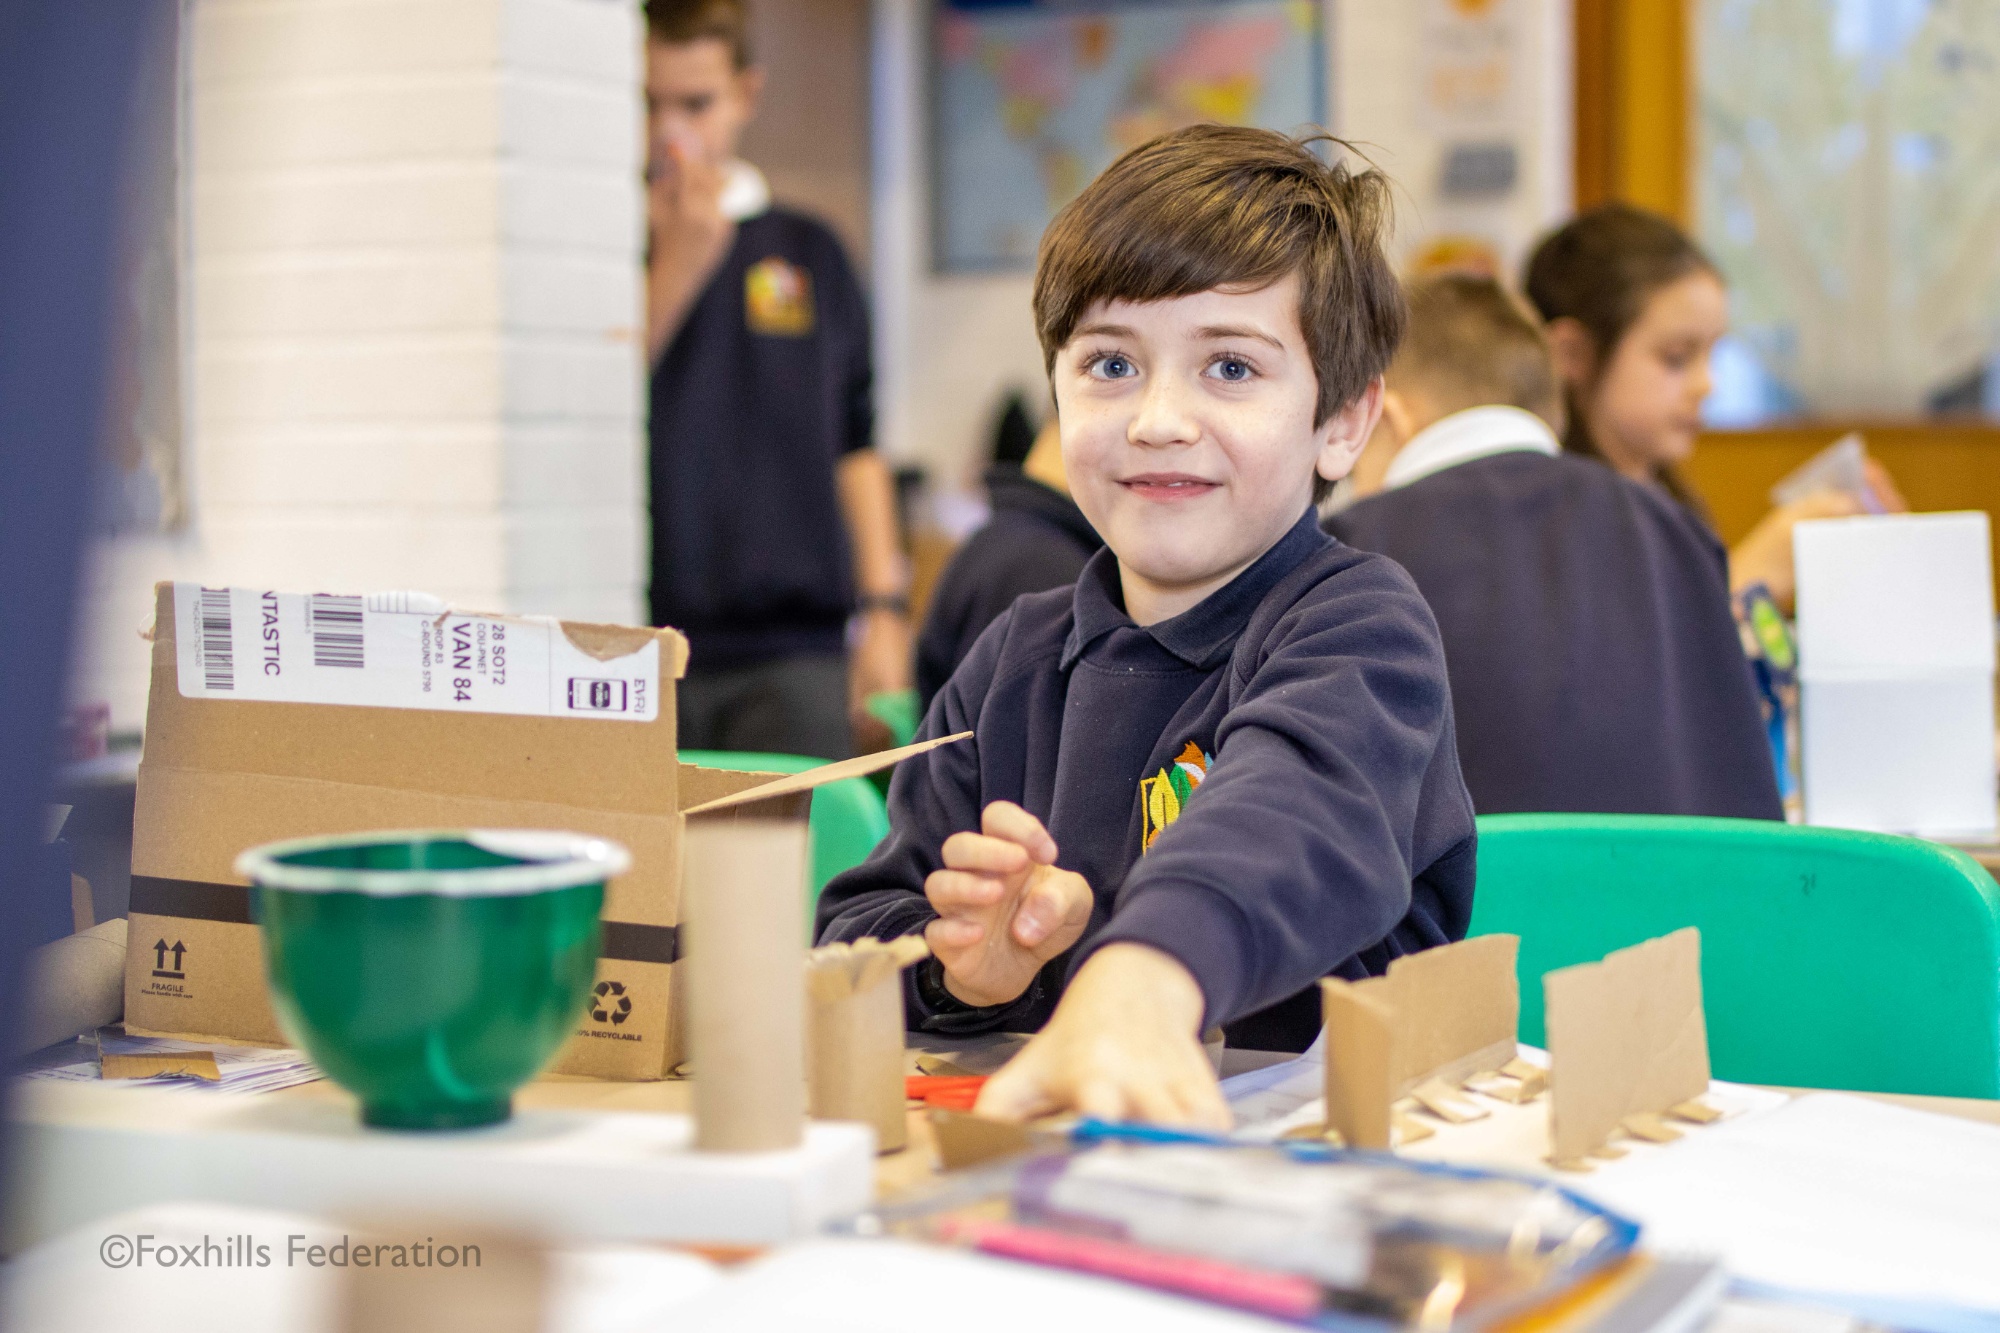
(1203, 635)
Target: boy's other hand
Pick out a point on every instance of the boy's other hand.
(1765, 553)
(684, 202)
(1122, 1045)
(878, 664)
(1003, 907)
(689, 237)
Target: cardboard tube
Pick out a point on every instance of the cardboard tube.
(75, 985)
(742, 885)
(857, 1041)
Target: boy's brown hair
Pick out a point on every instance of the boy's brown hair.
(681, 21)
(1470, 343)
(1225, 206)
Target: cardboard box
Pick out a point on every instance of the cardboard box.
(471, 733)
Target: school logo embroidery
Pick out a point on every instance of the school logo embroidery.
(778, 299)
(1166, 793)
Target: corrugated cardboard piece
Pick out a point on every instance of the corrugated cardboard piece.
(1432, 1021)
(1628, 1043)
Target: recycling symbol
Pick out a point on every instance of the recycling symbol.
(609, 1003)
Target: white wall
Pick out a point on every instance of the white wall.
(1382, 57)
(948, 346)
(414, 235)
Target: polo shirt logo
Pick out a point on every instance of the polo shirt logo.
(1164, 795)
(778, 299)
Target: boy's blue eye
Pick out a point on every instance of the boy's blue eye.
(1229, 368)
(1114, 367)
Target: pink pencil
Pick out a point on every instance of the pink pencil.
(1285, 1295)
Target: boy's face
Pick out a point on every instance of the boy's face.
(1187, 430)
(696, 98)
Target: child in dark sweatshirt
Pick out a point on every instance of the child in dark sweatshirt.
(1222, 766)
(1594, 662)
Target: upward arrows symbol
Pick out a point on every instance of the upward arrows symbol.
(179, 949)
(160, 949)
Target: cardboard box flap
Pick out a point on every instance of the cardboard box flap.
(607, 642)
(825, 773)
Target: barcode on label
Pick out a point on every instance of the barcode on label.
(335, 623)
(218, 654)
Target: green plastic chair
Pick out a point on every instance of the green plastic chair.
(848, 816)
(1829, 959)
(898, 711)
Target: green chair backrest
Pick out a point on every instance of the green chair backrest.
(1829, 959)
(848, 816)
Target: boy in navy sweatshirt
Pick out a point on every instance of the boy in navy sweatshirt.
(1222, 766)
(1594, 661)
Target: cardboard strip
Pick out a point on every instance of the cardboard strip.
(182, 1064)
(1409, 1129)
(1443, 1103)
(1645, 1125)
(819, 777)
(1533, 1079)
(1696, 1111)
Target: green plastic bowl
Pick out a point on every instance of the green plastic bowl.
(431, 973)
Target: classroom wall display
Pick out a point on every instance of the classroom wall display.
(1847, 182)
(1032, 98)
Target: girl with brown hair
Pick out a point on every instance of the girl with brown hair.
(1633, 309)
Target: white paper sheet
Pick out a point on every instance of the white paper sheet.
(1829, 1193)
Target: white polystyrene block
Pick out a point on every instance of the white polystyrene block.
(1894, 595)
(1913, 755)
(86, 1152)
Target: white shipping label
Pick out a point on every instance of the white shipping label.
(398, 650)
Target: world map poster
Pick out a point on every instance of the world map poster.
(1034, 97)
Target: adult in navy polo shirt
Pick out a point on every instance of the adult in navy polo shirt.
(773, 518)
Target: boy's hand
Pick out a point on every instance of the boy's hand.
(1765, 553)
(1003, 907)
(1122, 1045)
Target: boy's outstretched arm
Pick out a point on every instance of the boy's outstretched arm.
(1123, 1044)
